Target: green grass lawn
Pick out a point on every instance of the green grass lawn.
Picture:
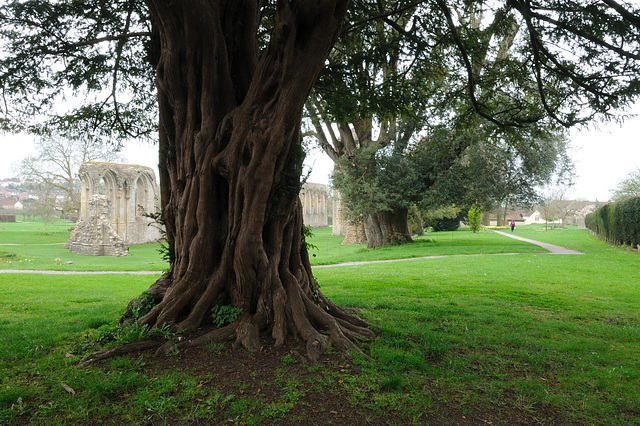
(496, 337)
(39, 246)
(557, 332)
(35, 232)
(329, 250)
(36, 246)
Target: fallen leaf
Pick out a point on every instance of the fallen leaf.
(68, 388)
(202, 383)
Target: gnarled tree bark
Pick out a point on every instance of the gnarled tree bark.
(387, 227)
(230, 171)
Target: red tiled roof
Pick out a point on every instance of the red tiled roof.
(8, 202)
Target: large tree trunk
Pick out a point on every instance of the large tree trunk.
(355, 234)
(387, 227)
(230, 171)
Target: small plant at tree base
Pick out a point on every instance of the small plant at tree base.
(121, 333)
(287, 360)
(307, 232)
(166, 250)
(475, 218)
(113, 334)
(142, 305)
(223, 315)
(215, 347)
(174, 351)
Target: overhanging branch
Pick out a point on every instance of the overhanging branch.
(99, 40)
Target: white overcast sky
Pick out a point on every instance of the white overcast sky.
(602, 157)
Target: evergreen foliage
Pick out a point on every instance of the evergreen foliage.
(475, 218)
(447, 224)
(100, 52)
(501, 168)
(617, 223)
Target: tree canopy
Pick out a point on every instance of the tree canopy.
(404, 74)
(628, 187)
(81, 65)
(580, 57)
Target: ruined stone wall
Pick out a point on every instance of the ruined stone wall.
(95, 236)
(129, 192)
(314, 205)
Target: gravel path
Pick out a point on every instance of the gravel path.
(553, 249)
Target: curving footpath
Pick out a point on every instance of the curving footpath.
(553, 249)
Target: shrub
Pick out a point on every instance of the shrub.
(475, 218)
(617, 223)
(447, 224)
(7, 217)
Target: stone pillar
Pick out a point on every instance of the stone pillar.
(313, 197)
(339, 216)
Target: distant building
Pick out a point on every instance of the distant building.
(525, 217)
(5, 183)
(11, 203)
(575, 211)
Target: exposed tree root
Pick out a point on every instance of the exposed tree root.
(137, 346)
(289, 305)
(285, 302)
(308, 319)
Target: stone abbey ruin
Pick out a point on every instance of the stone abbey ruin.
(313, 197)
(116, 197)
(114, 201)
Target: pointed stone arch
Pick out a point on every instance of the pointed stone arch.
(126, 194)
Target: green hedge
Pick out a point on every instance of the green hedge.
(617, 223)
(7, 217)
